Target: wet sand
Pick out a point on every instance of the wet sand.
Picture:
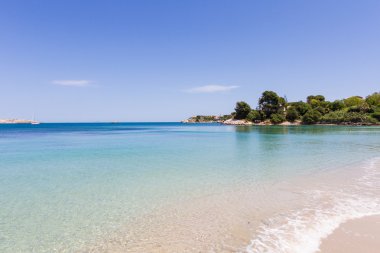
(358, 235)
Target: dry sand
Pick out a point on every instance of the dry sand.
(355, 236)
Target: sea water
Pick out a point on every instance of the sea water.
(71, 187)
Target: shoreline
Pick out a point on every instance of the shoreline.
(355, 235)
(18, 121)
(286, 123)
(197, 221)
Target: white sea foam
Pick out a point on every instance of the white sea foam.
(303, 230)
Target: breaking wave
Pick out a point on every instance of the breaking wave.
(301, 231)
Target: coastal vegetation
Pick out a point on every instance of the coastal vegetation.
(274, 109)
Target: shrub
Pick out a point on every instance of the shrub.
(376, 115)
(254, 115)
(321, 110)
(342, 116)
(311, 117)
(226, 117)
(356, 117)
(373, 99)
(362, 107)
(204, 118)
(372, 120)
(277, 118)
(292, 114)
(334, 117)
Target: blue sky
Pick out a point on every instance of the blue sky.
(76, 60)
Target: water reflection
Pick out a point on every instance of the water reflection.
(304, 129)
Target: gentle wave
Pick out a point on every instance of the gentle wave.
(302, 231)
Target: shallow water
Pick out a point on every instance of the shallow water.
(74, 187)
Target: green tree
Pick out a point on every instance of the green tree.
(270, 103)
(319, 98)
(277, 118)
(242, 109)
(315, 101)
(322, 110)
(292, 114)
(337, 105)
(311, 117)
(362, 107)
(301, 107)
(353, 101)
(373, 99)
(254, 115)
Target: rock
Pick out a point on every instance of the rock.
(237, 122)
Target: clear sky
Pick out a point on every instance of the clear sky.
(76, 60)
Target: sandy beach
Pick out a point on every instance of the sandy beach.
(358, 235)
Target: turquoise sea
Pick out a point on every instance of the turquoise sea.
(65, 187)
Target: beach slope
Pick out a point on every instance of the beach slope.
(358, 235)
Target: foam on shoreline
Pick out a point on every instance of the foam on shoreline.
(304, 230)
(294, 217)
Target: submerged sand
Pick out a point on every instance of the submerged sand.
(289, 216)
(358, 235)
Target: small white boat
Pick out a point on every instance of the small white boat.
(34, 122)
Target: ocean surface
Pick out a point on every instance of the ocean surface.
(171, 187)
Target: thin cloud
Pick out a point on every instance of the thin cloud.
(211, 89)
(72, 83)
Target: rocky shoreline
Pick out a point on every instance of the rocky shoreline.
(236, 122)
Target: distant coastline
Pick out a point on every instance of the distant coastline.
(18, 121)
(275, 110)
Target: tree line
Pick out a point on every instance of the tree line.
(316, 110)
